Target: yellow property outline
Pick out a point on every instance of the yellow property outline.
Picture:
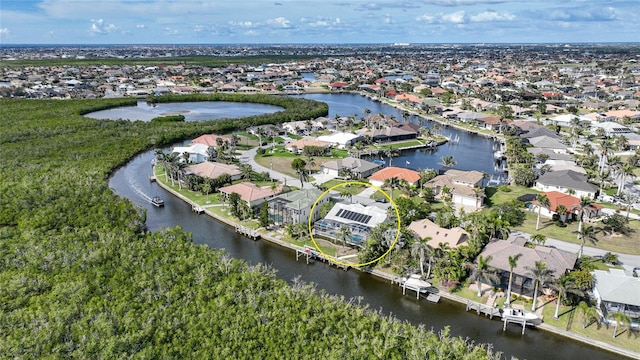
(335, 260)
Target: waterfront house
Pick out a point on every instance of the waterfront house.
(197, 153)
(617, 292)
(350, 167)
(250, 193)
(212, 170)
(426, 228)
(558, 261)
(378, 178)
(210, 140)
(564, 181)
(340, 140)
(389, 134)
(358, 218)
(294, 207)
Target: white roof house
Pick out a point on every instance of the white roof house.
(340, 139)
(359, 219)
(616, 291)
(197, 152)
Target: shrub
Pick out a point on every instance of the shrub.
(504, 188)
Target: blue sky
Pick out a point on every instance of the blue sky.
(317, 21)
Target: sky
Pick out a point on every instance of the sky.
(317, 21)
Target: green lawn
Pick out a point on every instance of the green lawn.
(571, 319)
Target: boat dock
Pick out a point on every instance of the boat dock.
(428, 293)
(487, 310)
(250, 233)
(312, 254)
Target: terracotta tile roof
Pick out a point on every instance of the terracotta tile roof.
(426, 228)
(408, 175)
(210, 139)
(212, 169)
(557, 198)
(249, 192)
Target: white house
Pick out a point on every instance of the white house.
(197, 152)
(340, 139)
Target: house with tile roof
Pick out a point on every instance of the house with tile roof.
(378, 178)
(297, 146)
(570, 203)
(210, 140)
(426, 228)
(559, 261)
(250, 193)
(294, 207)
(565, 180)
(212, 170)
(464, 187)
(617, 292)
(357, 168)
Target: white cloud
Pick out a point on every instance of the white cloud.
(4, 32)
(455, 17)
(426, 18)
(170, 31)
(243, 24)
(141, 26)
(280, 22)
(98, 27)
(492, 16)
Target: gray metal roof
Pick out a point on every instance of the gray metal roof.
(616, 286)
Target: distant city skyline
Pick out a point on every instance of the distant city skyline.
(317, 22)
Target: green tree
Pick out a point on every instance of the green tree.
(563, 287)
(234, 202)
(300, 167)
(447, 161)
(589, 314)
(587, 233)
(423, 250)
(483, 273)
(543, 202)
(538, 239)
(264, 215)
(541, 275)
(513, 262)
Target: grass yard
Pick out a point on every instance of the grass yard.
(571, 319)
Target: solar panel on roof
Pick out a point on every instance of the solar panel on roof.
(353, 216)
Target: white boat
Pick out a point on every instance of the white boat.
(413, 282)
(157, 201)
(517, 315)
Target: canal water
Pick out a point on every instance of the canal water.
(132, 182)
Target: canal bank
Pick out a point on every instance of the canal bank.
(265, 235)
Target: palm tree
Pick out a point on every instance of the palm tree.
(392, 183)
(540, 274)
(564, 286)
(300, 167)
(619, 319)
(588, 313)
(447, 161)
(587, 233)
(543, 202)
(422, 249)
(482, 273)
(246, 171)
(345, 233)
(585, 202)
(206, 188)
(513, 262)
(538, 239)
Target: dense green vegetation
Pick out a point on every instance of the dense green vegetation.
(81, 279)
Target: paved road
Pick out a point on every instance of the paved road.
(628, 261)
(248, 158)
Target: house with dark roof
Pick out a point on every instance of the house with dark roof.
(350, 167)
(390, 134)
(294, 207)
(559, 261)
(565, 180)
(546, 142)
